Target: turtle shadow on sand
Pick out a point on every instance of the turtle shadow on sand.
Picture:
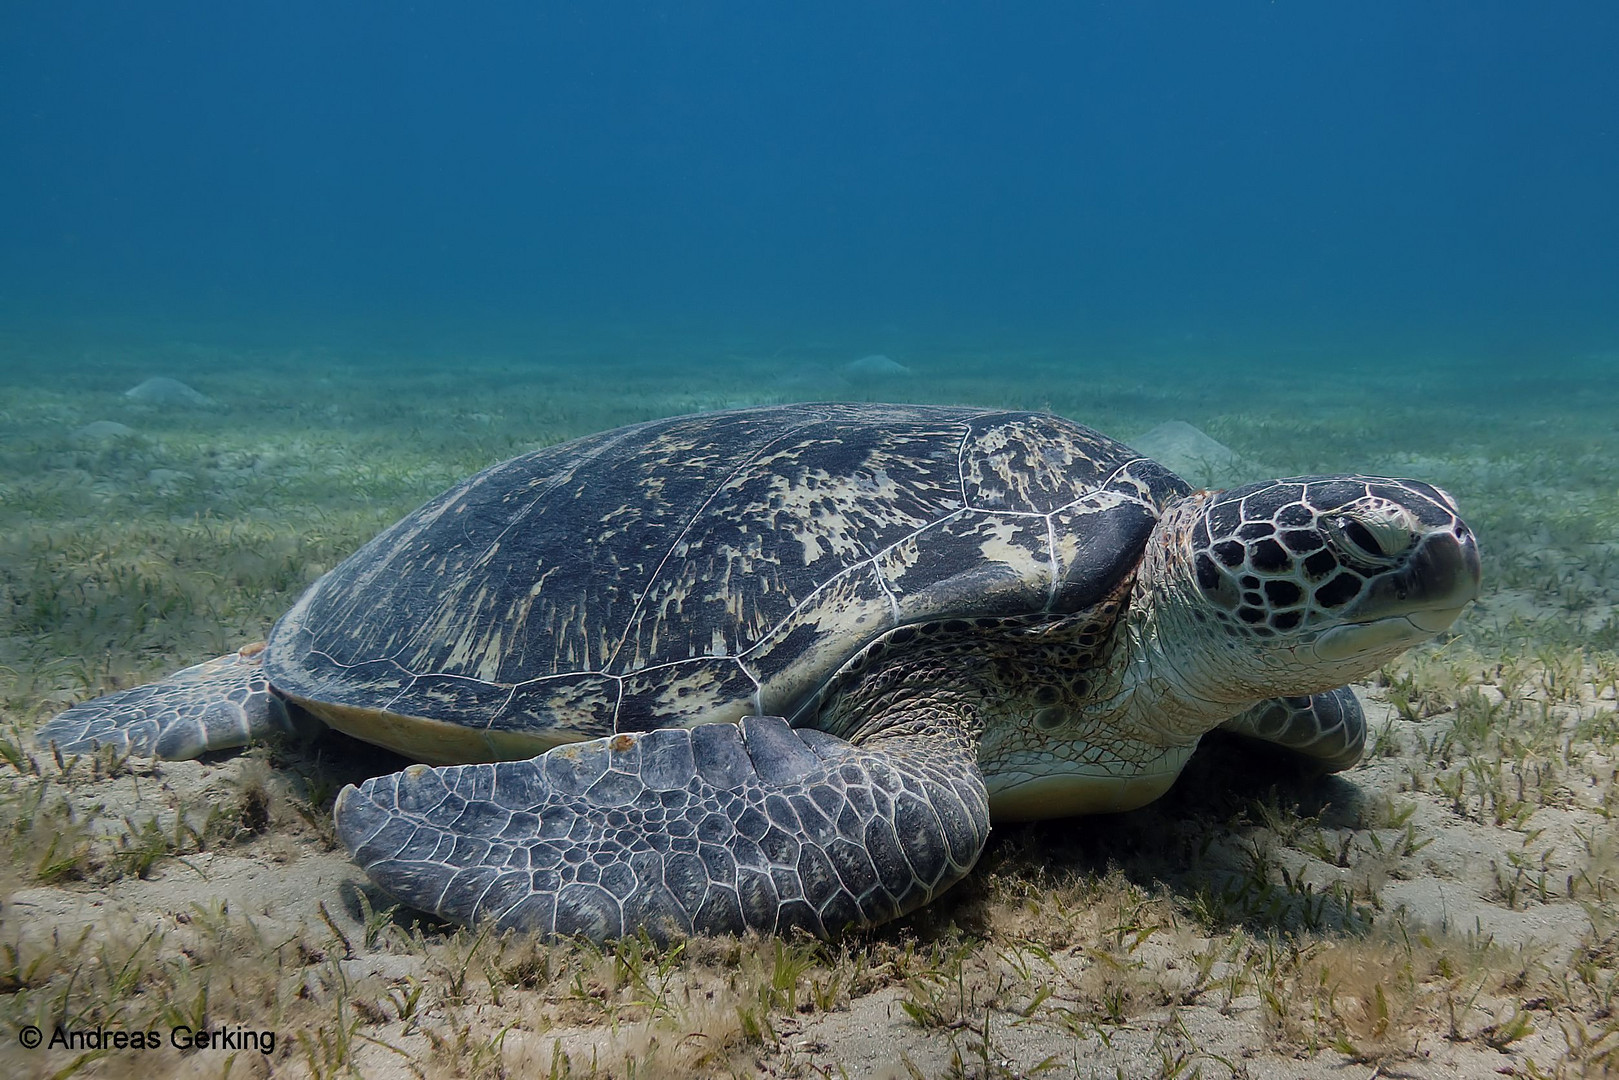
(1187, 842)
(1197, 844)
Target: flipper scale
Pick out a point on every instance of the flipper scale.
(1329, 727)
(718, 829)
(216, 705)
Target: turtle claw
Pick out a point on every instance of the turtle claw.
(720, 828)
(222, 703)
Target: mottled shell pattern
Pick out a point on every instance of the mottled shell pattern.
(704, 568)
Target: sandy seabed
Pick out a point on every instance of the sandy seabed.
(1447, 908)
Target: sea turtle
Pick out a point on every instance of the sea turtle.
(781, 667)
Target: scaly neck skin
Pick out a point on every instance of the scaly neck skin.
(1181, 677)
(1045, 700)
(1091, 761)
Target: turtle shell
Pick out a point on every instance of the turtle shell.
(703, 568)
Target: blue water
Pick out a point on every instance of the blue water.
(1391, 176)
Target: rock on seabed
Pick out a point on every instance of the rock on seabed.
(875, 368)
(161, 390)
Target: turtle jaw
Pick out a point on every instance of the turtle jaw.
(1378, 637)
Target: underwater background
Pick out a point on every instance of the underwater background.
(272, 275)
(382, 246)
(1366, 179)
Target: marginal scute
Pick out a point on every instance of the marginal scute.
(1099, 540)
(796, 656)
(970, 564)
(685, 692)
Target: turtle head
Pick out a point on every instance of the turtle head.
(1300, 585)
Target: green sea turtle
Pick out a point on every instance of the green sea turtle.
(782, 666)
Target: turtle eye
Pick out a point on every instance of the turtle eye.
(1376, 539)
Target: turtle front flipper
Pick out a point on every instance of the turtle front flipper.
(216, 705)
(715, 829)
(1329, 727)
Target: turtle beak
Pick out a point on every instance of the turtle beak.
(1441, 576)
(1412, 602)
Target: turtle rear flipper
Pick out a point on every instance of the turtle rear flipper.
(719, 828)
(1329, 727)
(216, 705)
